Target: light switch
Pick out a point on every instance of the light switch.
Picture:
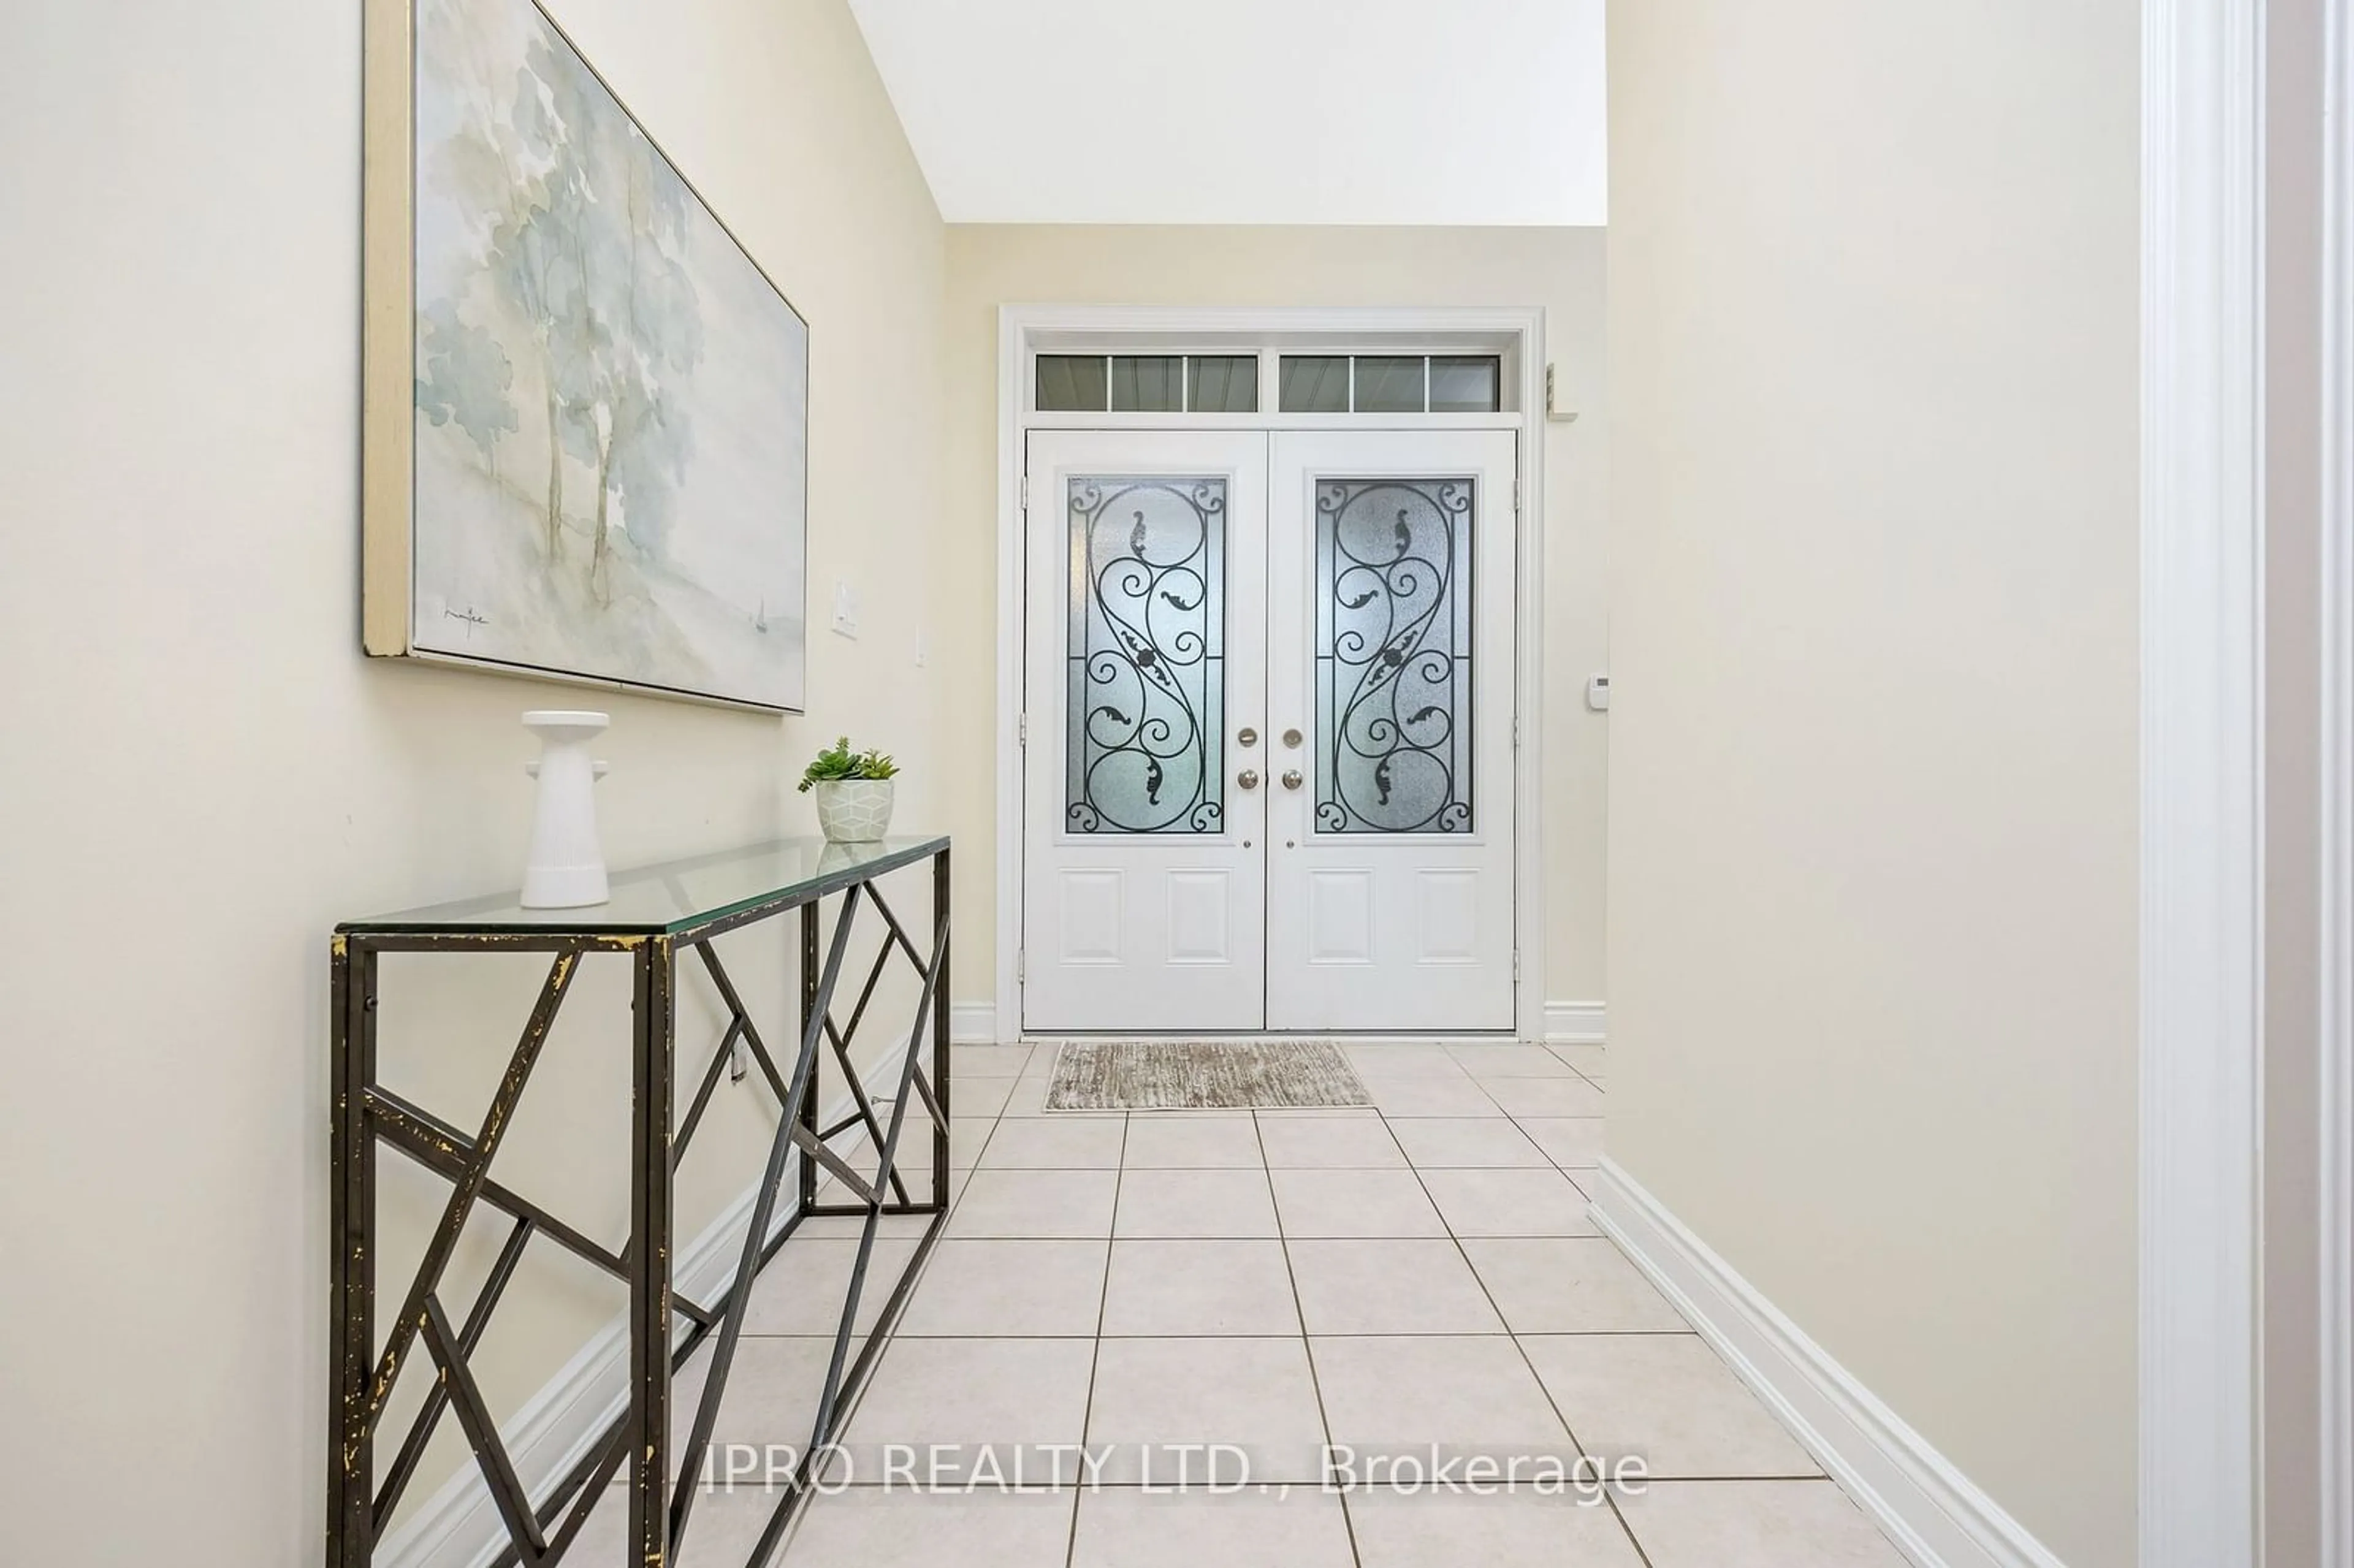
(1597, 692)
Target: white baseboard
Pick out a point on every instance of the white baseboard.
(1928, 1508)
(458, 1527)
(972, 1023)
(1574, 1022)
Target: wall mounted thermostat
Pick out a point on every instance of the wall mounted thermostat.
(1597, 692)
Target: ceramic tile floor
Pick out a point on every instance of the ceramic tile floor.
(1420, 1273)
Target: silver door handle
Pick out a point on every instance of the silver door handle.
(1247, 779)
(1292, 780)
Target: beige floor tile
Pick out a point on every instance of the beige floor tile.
(1328, 1141)
(1464, 1394)
(1420, 1096)
(1257, 1396)
(869, 1527)
(1467, 1142)
(983, 1288)
(1008, 1395)
(970, 1062)
(1508, 1203)
(1039, 1204)
(1161, 1288)
(1354, 1203)
(1190, 1141)
(1402, 1062)
(1571, 1096)
(1518, 1529)
(1588, 1060)
(1755, 1524)
(1127, 1527)
(1028, 1095)
(1668, 1398)
(1517, 1060)
(772, 1395)
(979, 1097)
(1572, 1141)
(1388, 1288)
(801, 1290)
(1054, 1143)
(968, 1135)
(1194, 1203)
(1568, 1285)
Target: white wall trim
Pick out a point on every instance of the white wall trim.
(2337, 965)
(1927, 1506)
(459, 1526)
(1574, 1023)
(2202, 777)
(972, 1023)
(1019, 326)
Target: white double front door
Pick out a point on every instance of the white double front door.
(1269, 731)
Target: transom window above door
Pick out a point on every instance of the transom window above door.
(1148, 383)
(1319, 382)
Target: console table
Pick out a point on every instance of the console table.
(657, 915)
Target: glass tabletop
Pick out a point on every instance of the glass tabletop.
(681, 894)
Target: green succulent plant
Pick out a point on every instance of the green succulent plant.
(838, 762)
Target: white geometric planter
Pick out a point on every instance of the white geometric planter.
(854, 811)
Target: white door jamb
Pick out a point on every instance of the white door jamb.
(2201, 777)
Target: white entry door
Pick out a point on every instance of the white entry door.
(1267, 765)
(1390, 688)
(1144, 901)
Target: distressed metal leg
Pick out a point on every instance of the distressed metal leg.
(351, 1235)
(810, 1017)
(941, 891)
(649, 1254)
(756, 1235)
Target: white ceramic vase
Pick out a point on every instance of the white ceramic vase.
(854, 811)
(567, 868)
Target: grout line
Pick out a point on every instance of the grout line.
(1095, 1358)
(1523, 1350)
(1306, 1346)
(1159, 1489)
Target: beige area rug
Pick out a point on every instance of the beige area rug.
(1202, 1074)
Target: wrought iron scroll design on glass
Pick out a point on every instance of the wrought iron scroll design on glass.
(1146, 660)
(1393, 675)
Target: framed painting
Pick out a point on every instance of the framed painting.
(586, 443)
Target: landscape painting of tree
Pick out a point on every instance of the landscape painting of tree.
(610, 426)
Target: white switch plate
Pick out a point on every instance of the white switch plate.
(845, 609)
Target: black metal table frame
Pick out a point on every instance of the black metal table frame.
(365, 1113)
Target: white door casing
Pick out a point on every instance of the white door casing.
(1391, 823)
(1143, 882)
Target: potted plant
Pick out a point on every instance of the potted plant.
(854, 792)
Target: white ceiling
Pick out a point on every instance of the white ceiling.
(1411, 112)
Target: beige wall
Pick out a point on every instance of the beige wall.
(1873, 875)
(200, 773)
(1557, 269)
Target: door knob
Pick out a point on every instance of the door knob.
(1247, 779)
(1291, 778)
